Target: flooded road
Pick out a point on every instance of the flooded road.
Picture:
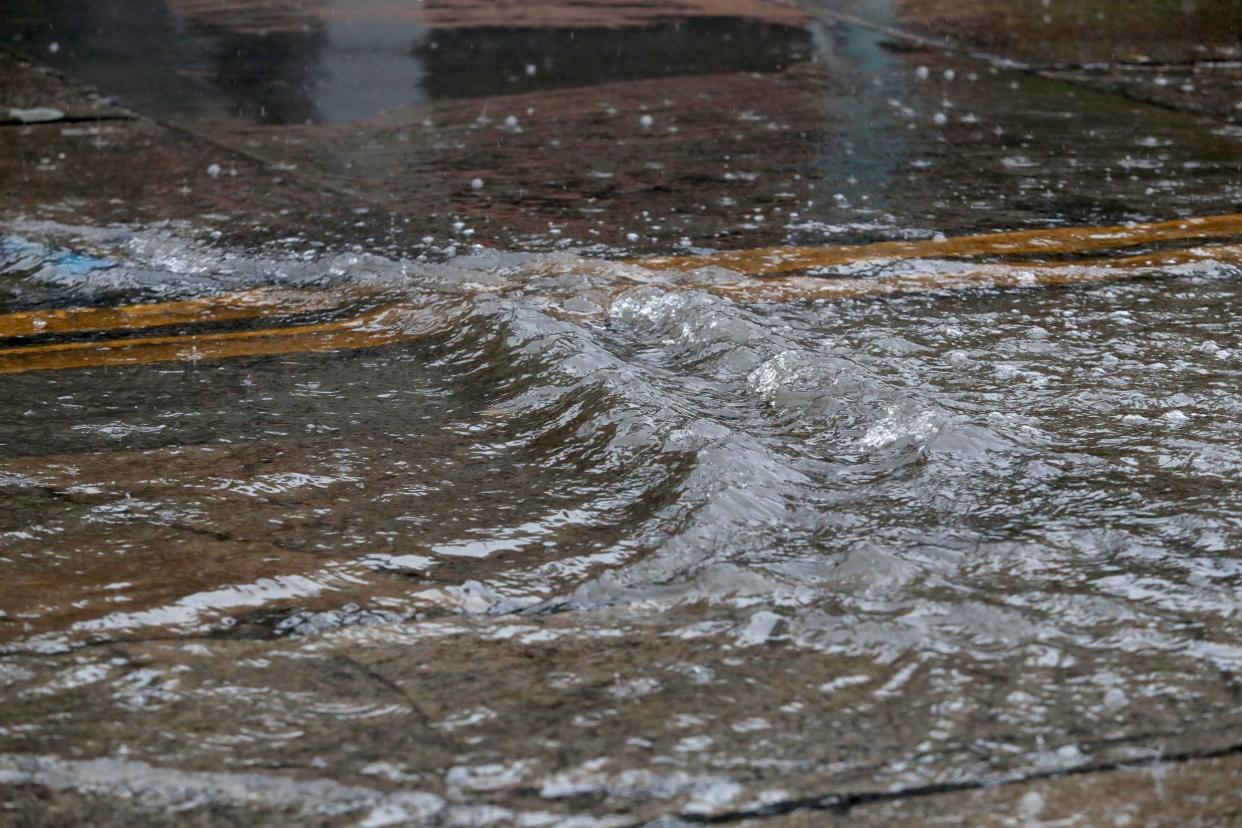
(588, 539)
(489, 446)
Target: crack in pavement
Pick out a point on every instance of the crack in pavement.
(841, 804)
(65, 119)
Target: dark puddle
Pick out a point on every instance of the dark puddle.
(498, 61)
(329, 66)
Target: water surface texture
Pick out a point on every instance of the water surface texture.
(591, 541)
(576, 413)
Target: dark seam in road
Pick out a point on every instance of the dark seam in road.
(56, 493)
(11, 652)
(310, 182)
(434, 734)
(841, 804)
(1144, 66)
(1116, 88)
(66, 119)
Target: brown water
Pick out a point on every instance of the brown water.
(529, 536)
(584, 545)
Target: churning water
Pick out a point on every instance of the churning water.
(587, 540)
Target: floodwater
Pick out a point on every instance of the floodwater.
(591, 541)
(339, 61)
(456, 507)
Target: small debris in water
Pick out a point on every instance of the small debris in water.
(36, 115)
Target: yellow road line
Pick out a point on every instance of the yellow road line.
(1032, 274)
(250, 304)
(778, 260)
(370, 330)
(376, 328)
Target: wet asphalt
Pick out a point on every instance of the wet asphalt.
(598, 130)
(611, 131)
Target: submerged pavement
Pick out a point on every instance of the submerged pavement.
(357, 123)
(714, 411)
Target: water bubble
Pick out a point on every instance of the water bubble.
(1031, 805)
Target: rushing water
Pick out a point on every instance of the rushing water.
(589, 543)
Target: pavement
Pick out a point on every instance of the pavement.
(318, 121)
(768, 137)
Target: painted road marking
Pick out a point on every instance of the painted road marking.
(762, 282)
(774, 261)
(386, 326)
(250, 304)
(981, 275)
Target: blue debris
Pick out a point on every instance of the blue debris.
(28, 253)
(80, 262)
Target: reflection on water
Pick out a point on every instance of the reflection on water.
(342, 61)
(365, 66)
(497, 61)
(272, 63)
(591, 536)
(870, 80)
